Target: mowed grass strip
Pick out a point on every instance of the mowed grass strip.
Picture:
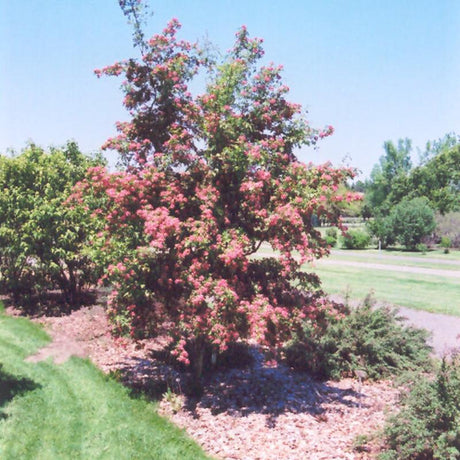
(74, 411)
(385, 258)
(423, 292)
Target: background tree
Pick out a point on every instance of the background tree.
(387, 185)
(438, 180)
(209, 179)
(411, 220)
(41, 240)
(447, 227)
(381, 227)
(436, 147)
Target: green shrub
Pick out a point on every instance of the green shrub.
(356, 239)
(43, 242)
(445, 243)
(381, 229)
(428, 424)
(373, 340)
(421, 247)
(331, 236)
(409, 223)
(412, 220)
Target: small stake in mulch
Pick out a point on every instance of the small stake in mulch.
(361, 374)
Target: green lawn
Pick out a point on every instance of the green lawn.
(439, 294)
(422, 292)
(72, 410)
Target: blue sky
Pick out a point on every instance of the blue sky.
(376, 70)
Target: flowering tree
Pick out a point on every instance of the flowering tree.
(209, 178)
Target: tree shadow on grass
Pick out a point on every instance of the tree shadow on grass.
(12, 386)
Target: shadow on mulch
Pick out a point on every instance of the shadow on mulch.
(50, 303)
(239, 387)
(12, 386)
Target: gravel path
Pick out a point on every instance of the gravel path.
(445, 329)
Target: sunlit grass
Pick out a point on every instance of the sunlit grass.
(424, 292)
(403, 288)
(73, 411)
(453, 254)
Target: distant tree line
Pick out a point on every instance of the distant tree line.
(403, 200)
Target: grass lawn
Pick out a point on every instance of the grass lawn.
(423, 292)
(440, 294)
(72, 410)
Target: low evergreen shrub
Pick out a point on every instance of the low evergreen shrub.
(373, 340)
(428, 424)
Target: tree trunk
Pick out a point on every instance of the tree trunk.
(197, 362)
(73, 288)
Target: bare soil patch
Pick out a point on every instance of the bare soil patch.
(256, 412)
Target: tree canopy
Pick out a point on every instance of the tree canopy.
(438, 180)
(388, 178)
(436, 177)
